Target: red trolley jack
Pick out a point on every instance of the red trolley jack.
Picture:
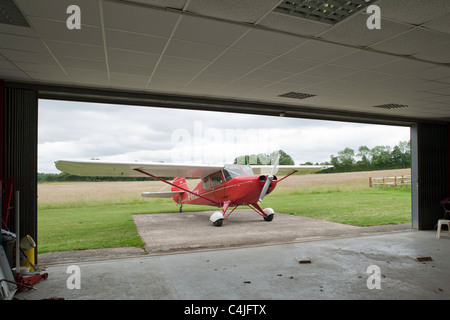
(28, 282)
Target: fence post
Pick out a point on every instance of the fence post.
(370, 182)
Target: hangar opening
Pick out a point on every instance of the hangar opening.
(369, 166)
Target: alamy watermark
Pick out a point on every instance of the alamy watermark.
(204, 144)
(74, 20)
(373, 21)
(374, 280)
(74, 280)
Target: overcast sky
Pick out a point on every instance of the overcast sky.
(81, 131)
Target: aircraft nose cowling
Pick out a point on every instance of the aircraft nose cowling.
(262, 181)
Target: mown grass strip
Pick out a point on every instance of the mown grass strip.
(104, 224)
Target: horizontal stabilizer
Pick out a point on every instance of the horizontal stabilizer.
(167, 194)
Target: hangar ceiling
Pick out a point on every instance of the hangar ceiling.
(251, 51)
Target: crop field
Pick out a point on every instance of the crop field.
(88, 215)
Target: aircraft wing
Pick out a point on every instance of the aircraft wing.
(120, 169)
(285, 170)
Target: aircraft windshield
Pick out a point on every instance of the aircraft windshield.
(231, 171)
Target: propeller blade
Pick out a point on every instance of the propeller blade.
(270, 178)
(265, 188)
(275, 165)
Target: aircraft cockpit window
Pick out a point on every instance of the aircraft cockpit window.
(226, 175)
(238, 170)
(247, 169)
(206, 184)
(216, 180)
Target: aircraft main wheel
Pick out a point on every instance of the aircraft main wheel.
(269, 214)
(217, 218)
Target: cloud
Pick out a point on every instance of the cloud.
(75, 130)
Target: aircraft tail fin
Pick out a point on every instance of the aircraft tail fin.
(179, 181)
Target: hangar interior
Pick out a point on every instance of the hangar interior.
(268, 57)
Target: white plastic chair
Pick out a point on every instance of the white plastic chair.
(440, 223)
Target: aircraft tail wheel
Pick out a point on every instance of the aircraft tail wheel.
(269, 214)
(217, 218)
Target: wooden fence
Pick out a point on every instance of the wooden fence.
(390, 181)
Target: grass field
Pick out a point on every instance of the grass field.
(88, 215)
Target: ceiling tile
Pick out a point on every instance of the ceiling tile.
(86, 74)
(26, 56)
(354, 31)
(193, 50)
(330, 71)
(364, 59)
(438, 54)
(319, 51)
(403, 67)
(76, 50)
(227, 69)
(57, 30)
(268, 75)
(287, 64)
(439, 24)
(294, 25)
(434, 73)
(415, 12)
(215, 80)
(138, 18)
(176, 63)
(244, 58)
(130, 79)
(173, 75)
(5, 64)
(413, 41)
(132, 57)
(249, 11)
(134, 42)
(50, 77)
(305, 80)
(57, 10)
(13, 74)
(39, 68)
(268, 42)
(130, 69)
(208, 31)
(15, 42)
(18, 30)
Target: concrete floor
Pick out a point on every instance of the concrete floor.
(337, 270)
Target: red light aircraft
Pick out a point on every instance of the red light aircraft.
(225, 186)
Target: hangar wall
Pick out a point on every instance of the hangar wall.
(432, 172)
(18, 148)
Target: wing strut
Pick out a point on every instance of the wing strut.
(290, 174)
(184, 189)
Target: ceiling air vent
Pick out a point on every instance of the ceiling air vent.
(327, 11)
(296, 95)
(10, 14)
(391, 106)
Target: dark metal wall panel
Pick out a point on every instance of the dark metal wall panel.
(433, 175)
(20, 116)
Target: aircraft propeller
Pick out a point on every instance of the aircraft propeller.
(270, 178)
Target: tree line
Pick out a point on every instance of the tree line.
(377, 158)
